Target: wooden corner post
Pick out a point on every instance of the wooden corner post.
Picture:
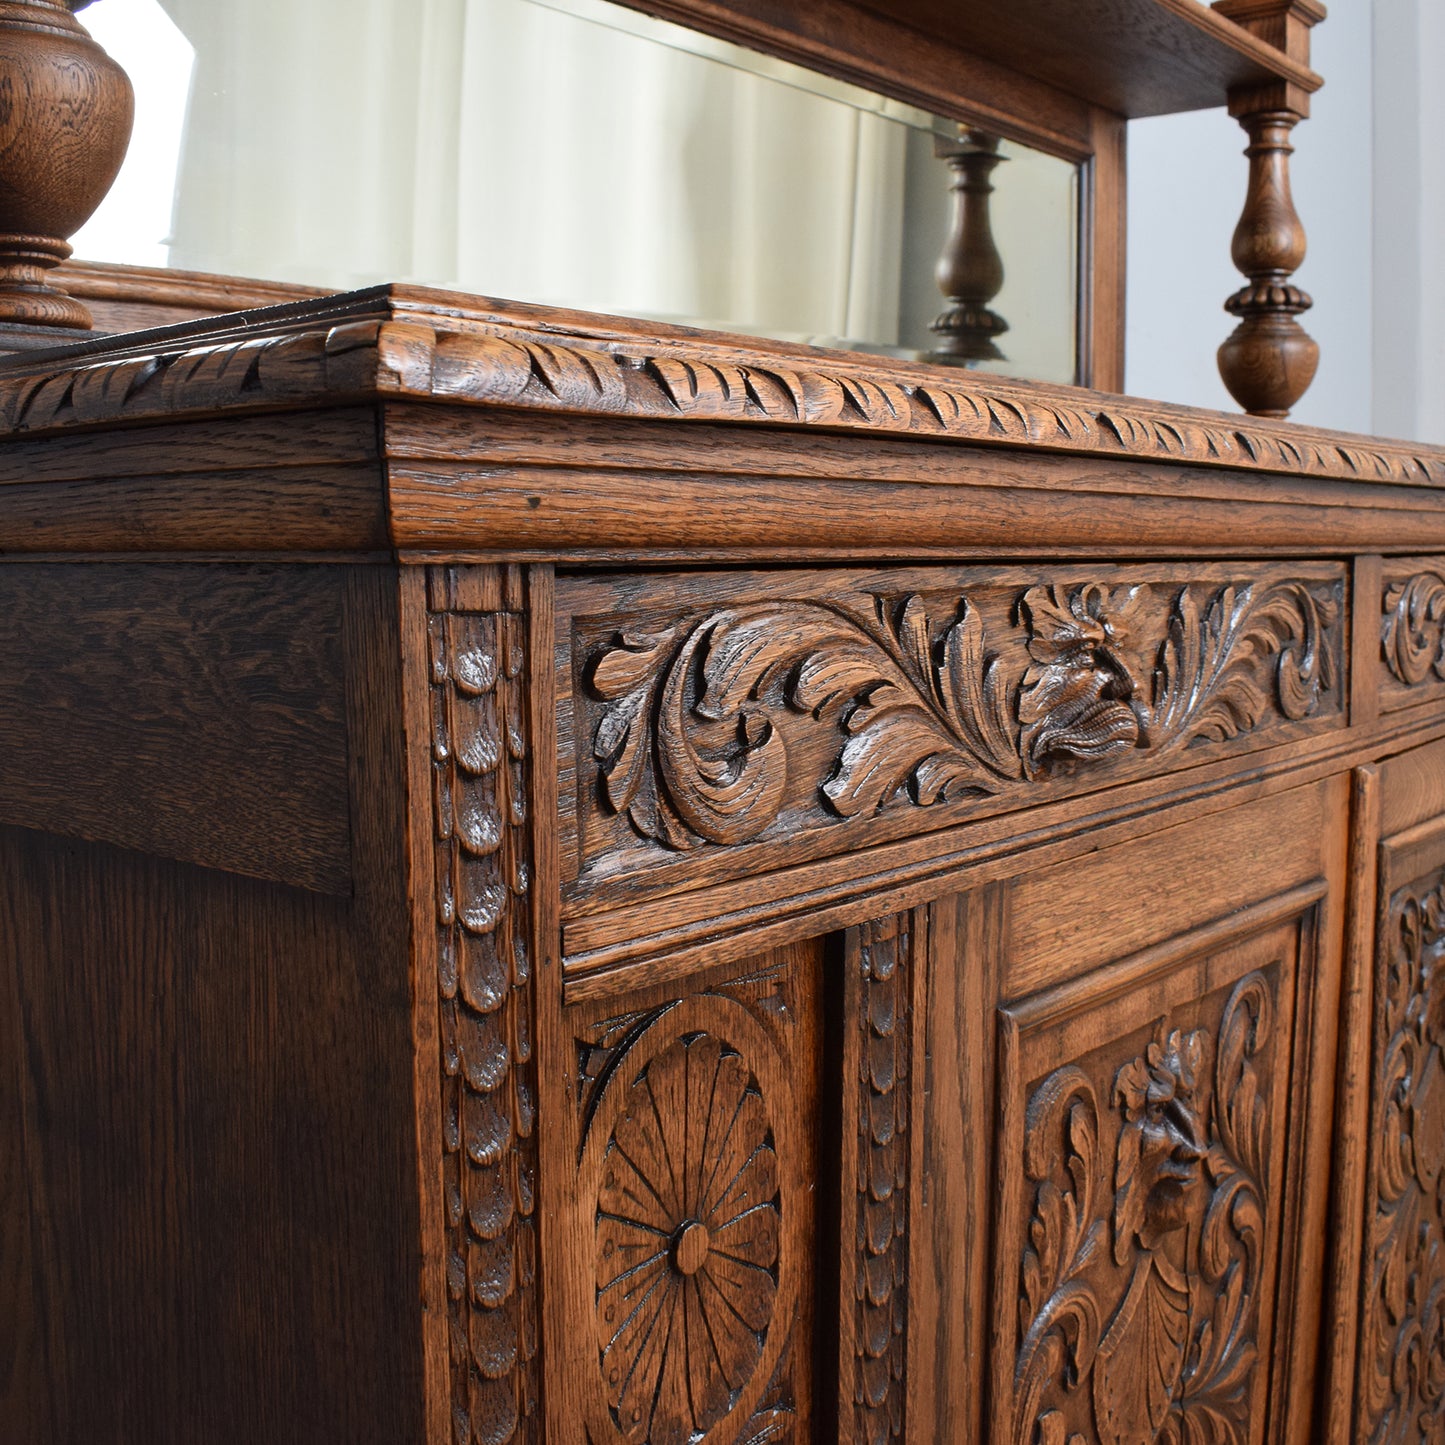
(1270, 359)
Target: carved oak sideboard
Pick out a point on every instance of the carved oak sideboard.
(577, 883)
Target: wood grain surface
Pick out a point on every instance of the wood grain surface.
(210, 1217)
(198, 713)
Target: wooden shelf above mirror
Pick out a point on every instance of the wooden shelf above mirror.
(1135, 57)
(1132, 57)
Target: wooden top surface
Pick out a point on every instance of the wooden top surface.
(412, 343)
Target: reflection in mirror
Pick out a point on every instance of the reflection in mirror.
(970, 270)
(577, 153)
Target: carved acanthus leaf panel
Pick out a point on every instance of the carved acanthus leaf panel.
(876, 1108)
(1150, 1180)
(729, 724)
(1401, 1391)
(480, 768)
(696, 1194)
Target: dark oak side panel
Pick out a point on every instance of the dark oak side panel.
(196, 712)
(209, 1199)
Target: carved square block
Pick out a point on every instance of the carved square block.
(1412, 632)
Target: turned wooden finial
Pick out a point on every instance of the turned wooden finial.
(65, 117)
(1269, 360)
(970, 270)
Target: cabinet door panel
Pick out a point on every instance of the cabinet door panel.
(681, 1191)
(1400, 1379)
(1144, 1130)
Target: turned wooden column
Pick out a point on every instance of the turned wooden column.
(970, 269)
(65, 118)
(1269, 360)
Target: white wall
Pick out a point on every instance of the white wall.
(1187, 176)
(1409, 219)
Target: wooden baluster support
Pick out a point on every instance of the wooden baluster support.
(970, 269)
(1269, 361)
(64, 128)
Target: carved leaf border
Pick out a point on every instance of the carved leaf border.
(687, 748)
(929, 717)
(500, 361)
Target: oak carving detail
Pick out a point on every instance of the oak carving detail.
(1412, 631)
(689, 748)
(688, 1152)
(502, 362)
(880, 1279)
(1140, 1286)
(1402, 1350)
(488, 1075)
(687, 1243)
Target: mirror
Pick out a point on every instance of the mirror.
(580, 154)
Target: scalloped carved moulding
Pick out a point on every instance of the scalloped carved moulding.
(505, 358)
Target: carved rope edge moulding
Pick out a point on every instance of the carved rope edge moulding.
(505, 365)
(686, 747)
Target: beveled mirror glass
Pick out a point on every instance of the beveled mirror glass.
(580, 154)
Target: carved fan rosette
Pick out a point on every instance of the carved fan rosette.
(685, 1165)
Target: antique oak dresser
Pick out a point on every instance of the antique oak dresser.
(578, 881)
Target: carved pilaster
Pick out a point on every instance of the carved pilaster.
(1269, 360)
(488, 1075)
(970, 270)
(878, 1059)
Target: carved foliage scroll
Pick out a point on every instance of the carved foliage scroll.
(687, 750)
(1140, 1286)
(691, 1177)
(488, 1079)
(1412, 628)
(1401, 1397)
(716, 728)
(877, 1109)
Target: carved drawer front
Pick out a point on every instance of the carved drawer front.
(1400, 1385)
(683, 1310)
(1412, 631)
(713, 725)
(1145, 1126)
